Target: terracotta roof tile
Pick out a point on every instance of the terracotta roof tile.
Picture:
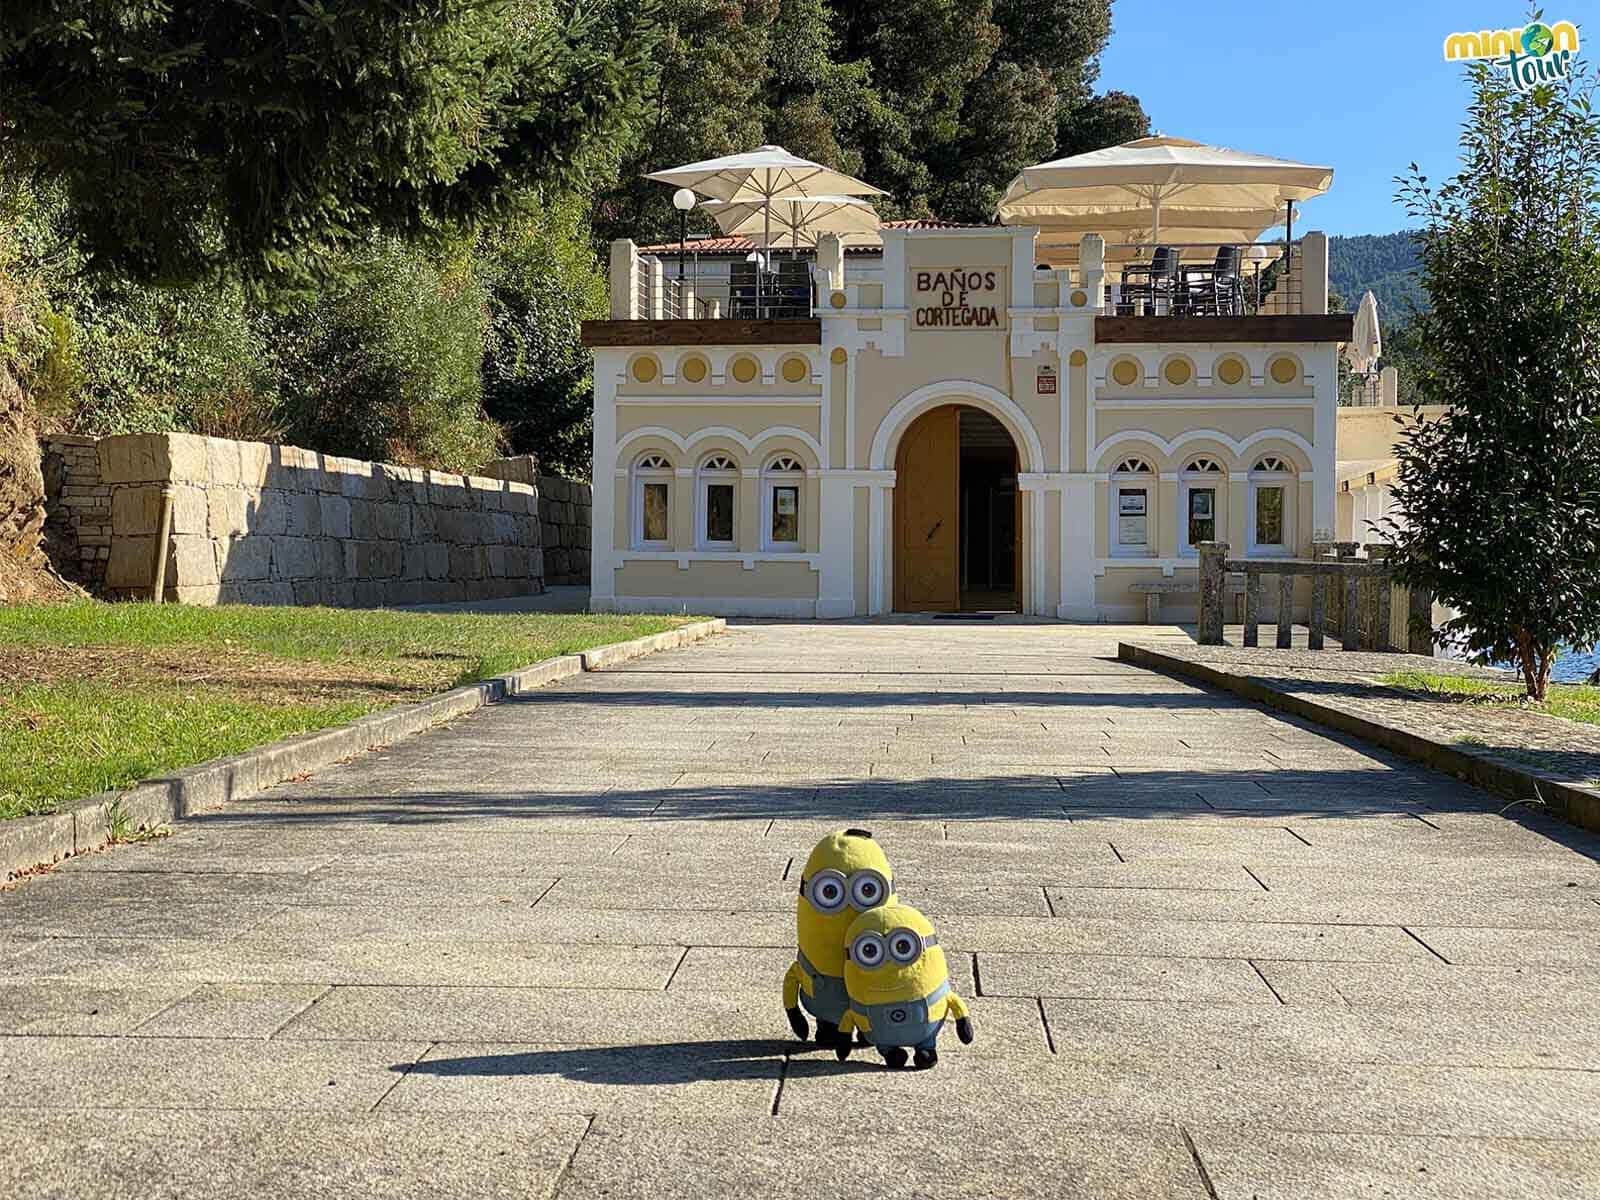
(745, 245)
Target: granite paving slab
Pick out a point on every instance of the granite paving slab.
(1211, 951)
(223, 1154)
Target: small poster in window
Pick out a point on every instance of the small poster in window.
(1130, 504)
(784, 501)
(1131, 531)
(1200, 503)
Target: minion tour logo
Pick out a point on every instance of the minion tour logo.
(1534, 55)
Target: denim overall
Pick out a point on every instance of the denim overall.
(827, 1000)
(905, 1022)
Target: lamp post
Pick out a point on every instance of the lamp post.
(683, 201)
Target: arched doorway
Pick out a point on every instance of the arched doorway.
(957, 514)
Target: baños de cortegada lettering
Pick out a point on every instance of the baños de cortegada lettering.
(953, 309)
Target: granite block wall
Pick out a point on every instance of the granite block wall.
(77, 528)
(565, 512)
(264, 524)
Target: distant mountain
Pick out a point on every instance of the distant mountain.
(1383, 262)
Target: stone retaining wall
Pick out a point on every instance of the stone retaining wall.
(264, 524)
(565, 511)
(77, 529)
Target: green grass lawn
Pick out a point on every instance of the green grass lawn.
(1575, 701)
(97, 696)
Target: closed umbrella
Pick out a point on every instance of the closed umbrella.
(1365, 346)
(761, 176)
(1206, 193)
(801, 219)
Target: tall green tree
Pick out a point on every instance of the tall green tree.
(940, 102)
(1499, 501)
(542, 280)
(260, 138)
(707, 98)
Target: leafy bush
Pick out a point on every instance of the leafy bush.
(384, 363)
(543, 279)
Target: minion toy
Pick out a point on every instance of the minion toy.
(846, 875)
(899, 987)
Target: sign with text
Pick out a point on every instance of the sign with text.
(1045, 381)
(958, 298)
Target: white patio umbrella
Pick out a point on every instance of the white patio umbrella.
(801, 219)
(1365, 346)
(1207, 193)
(761, 176)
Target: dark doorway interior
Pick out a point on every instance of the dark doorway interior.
(989, 514)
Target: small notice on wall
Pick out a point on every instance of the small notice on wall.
(958, 298)
(1046, 385)
(1132, 529)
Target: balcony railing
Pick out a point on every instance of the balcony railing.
(666, 290)
(1241, 279)
(1120, 280)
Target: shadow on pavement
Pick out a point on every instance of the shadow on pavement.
(654, 1064)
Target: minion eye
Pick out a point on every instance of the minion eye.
(827, 892)
(904, 946)
(867, 890)
(868, 950)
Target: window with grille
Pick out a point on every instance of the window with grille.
(719, 482)
(781, 501)
(652, 501)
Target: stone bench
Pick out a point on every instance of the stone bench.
(1155, 589)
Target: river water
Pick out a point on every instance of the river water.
(1572, 667)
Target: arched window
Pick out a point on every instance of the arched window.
(717, 489)
(1272, 495)
(651, 503)
(1199, 488)
(1131, 486)
(782, 494)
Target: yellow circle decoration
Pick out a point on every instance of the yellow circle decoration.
(644, 369)
(1125, 372)
(795, 369)
(837, 300)
(744, 369)
(1178, 372)
(1079, 298)
(837, 356)
(1230, 371)
(1078, 358)
(693, 370)
(1284, 370)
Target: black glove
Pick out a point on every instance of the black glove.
(965, 1030)
(797, 1022)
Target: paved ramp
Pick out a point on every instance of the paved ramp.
(1210, 951)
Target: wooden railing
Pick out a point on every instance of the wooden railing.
(1350, 596)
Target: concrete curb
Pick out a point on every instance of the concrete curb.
(28, 842)
(1573, 802)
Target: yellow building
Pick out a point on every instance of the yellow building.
(952, 425)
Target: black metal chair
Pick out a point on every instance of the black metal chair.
(1144, 285)
(1216, 290)
(743, 291)
(790, 297)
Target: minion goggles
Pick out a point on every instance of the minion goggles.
(829, 891)
(902, 945)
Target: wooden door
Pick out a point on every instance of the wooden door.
(927, 576)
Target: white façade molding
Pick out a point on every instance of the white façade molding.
(980, 395)
(1240, 447)
(719, 432)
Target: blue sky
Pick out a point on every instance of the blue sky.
(1359, 85)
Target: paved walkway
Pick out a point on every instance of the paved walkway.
(1211, 952)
